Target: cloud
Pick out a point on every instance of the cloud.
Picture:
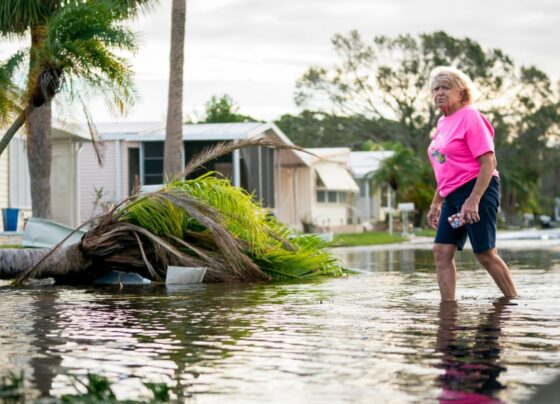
(255, 50)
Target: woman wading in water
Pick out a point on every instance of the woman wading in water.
(468, 185)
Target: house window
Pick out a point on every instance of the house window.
(324, 196)
(153, 163)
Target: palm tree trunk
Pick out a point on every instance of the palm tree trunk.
(173, 147)
(64, 262)
(39, 157)
(14, 261)
(39, 128)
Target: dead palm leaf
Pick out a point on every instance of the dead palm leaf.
(201, 222)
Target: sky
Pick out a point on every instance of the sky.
(255, 50)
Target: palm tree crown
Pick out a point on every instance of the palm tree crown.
(73, 46)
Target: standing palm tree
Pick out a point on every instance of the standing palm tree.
(400, 171)
(409, 177)
(172, 154)
(72, 44)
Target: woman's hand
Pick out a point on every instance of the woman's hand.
(469, 210)
(433, 216)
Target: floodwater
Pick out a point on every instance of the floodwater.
(376, 337)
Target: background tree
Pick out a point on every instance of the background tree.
(528, 140)
(224, 109)
(320, 129)
(387, 78)
(72, 51)
(408, 175)
(173, 146)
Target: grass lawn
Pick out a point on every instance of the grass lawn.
(425, 233)
(368, 238)
(10, 246)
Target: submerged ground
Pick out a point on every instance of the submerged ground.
(382, 335)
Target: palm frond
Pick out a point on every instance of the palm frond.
(80, 43)
(98, 147)
(170, 213)
(241, 216)
(10, 93)
(16, 16)
(130, 9)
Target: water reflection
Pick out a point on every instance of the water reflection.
(471, 363)
(402, 260)
(45, 319)
(381, 337)
(410, 260)
(183, 337)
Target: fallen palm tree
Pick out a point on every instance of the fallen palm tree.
(203, 222)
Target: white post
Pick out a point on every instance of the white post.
(141, 155)
(118, 171)
(236, 180)
(296, 218)
(77, 211)
(275, 174)
(390, 206)
(405, 223)
(259, 171)
(368, 201)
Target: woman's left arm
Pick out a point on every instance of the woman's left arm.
(469, 210)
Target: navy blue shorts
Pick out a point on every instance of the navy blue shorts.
(482, 234)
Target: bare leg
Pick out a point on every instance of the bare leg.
(498, 270)
(446, 272)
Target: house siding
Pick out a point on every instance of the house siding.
(3, 184)
(363, 212)
(14, 180)
(63, 183)
(293, 196)
(330, 215)
(124, 146)
(93, 177)
(4, 173)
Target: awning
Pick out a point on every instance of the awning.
(336, 177)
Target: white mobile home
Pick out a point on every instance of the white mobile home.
(321, 189)
(134, 154)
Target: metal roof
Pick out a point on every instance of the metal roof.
(364, 162)
(339, 154)
(142, 132)
(66, 130)
(127, 128)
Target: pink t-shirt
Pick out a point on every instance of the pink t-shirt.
(459, 139)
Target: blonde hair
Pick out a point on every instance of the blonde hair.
(458, 79)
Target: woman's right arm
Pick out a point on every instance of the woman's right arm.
(435, 210)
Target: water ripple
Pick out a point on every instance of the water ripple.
(383, 336)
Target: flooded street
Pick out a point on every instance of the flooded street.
(381, 336)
